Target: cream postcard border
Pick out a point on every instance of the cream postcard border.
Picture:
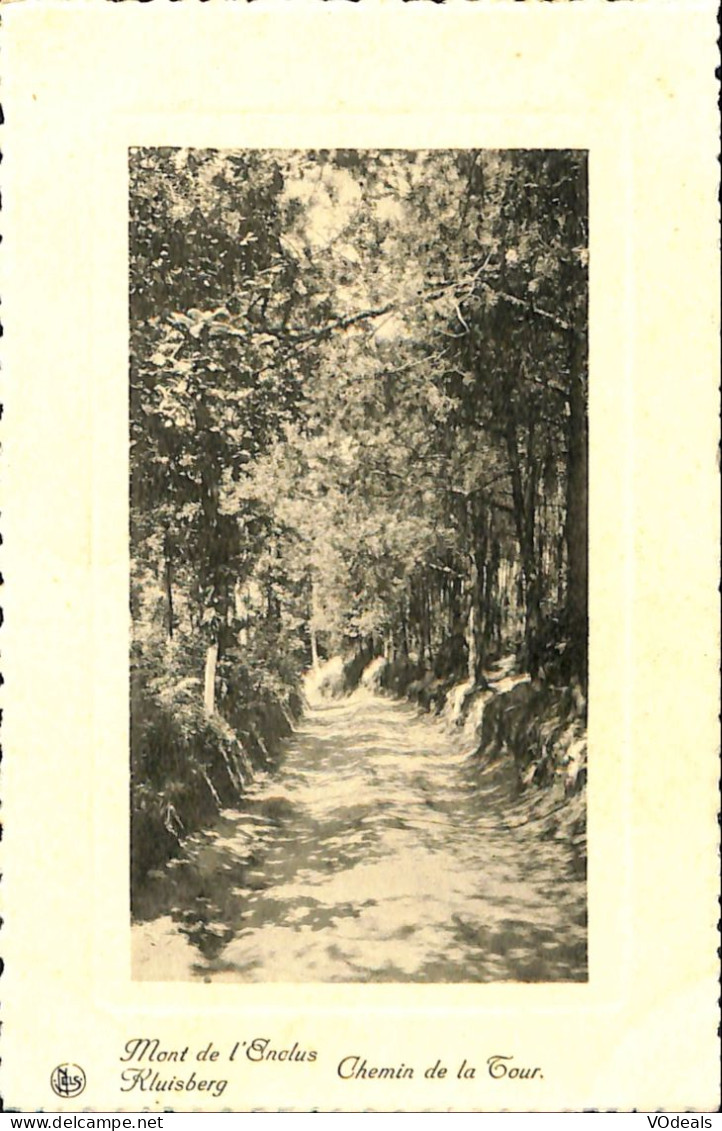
(629, 86)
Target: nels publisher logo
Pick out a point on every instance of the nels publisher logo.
(67, 1080)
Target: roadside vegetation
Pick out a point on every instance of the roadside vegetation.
(358, 416)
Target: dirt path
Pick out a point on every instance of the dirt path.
(377, 852)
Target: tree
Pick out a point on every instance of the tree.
(358, 386)
(519, 340)
(210, 279)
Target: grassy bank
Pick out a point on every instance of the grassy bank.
(539, 726)
(186, 767)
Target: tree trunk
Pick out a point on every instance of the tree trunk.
(524, 521)
(404, 642)
(168, 578)
(471, 644)
(472, 624)
(313, 619)
(576, 532)
(209, 681)
(492, 617)
(426, 619)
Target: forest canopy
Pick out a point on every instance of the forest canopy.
(358, 415)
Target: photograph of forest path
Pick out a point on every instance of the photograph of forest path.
(358, 540)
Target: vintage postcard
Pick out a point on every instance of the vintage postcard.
(360, 521)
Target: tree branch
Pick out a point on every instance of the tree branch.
(560, 323)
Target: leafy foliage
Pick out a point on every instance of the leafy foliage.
(358, 418)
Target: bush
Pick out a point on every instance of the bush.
(186, 767)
